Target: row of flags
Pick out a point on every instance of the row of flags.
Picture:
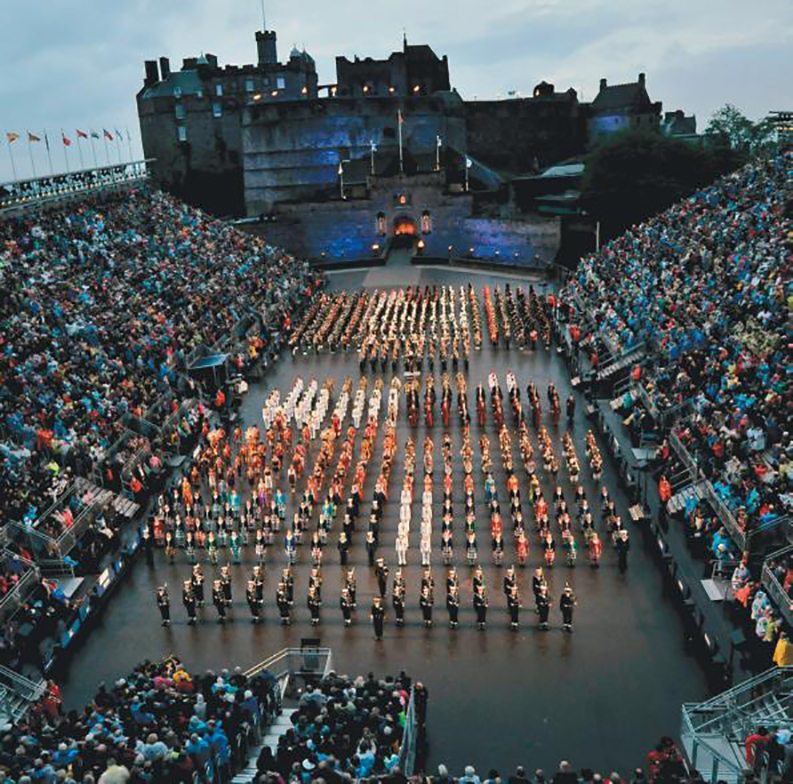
(13, 136)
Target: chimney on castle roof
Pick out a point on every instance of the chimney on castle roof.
(152, 73)
(603, 84)
(641, 80)
(165, 68)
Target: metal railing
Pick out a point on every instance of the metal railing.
(18, 693)
(25, 193)
(772, 585)
(725, 515)
(713, 732)
(308, 660)
(44, 545)
(685, 457)
(407, 751)
(22, 589)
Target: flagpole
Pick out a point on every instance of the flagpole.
(437, 153)
(118, 147)
(32, 162)
(129, 144)
(400, 120)
(49, 154)
(107, 154)
(11, 155)
(93, 149)
(80, 151)
(371, 153)
(65, 152)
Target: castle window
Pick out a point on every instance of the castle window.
(381, 223)
(177, 92)
(217, 109)
(179, 111)
(280, 83)
(218, 89)
(181, 133)
(426, 222)
(249, 85)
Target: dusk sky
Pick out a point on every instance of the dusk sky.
(79, 64)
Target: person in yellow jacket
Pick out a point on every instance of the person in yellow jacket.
(783, 653)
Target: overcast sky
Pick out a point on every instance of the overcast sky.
(78, 64)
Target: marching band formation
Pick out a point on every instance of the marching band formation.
(297, 482)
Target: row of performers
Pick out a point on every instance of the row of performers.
(193, 598)
(390, 321)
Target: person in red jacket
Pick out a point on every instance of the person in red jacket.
(664, 489)
(755, 745)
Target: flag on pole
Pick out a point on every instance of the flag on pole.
(468, 162)
(33, 138)
(65, 139)
(108, 135)
(341, 170)
(81, 134)
(95, 135)
(119, 135)
(438, 141)
(400, 117)
(11, 136)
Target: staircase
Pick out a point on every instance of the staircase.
(279, 727)
(714, 732)
(17, 694)
(93, 494)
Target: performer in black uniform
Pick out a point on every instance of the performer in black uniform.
(378, 616)
(566, 604)
(314, 603)
(197, 579)
(381, 573)
(537, 582)
(225, 581)
(543, 606)
(189, 601)
(351, 585)
(513, 605)
(164, 605)
(284, 606)
(426, 602)
(480, 608)
(289, 583)
(219, 600)
(398, 598)
(510, 581)
(254, 602)
(258, 579)
(453, 604)
(346, 607)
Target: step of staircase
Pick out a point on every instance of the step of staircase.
(279, 726)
